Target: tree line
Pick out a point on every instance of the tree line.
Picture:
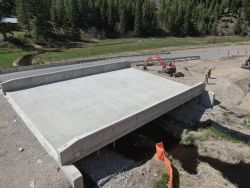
(192, 17)
(141, 18)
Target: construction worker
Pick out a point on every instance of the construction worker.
(209, 73)
(145, 67)
(206, 78)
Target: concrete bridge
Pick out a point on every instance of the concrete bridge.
(73, 113)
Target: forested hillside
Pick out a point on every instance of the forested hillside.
(45, 18)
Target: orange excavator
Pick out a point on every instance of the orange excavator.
(167, 67)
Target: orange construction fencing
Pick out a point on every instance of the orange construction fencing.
(160, 153)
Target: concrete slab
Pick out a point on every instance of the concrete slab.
(76, 117)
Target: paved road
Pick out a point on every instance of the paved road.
(204, 53)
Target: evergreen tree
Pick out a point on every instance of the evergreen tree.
(142, 17)
(138, 27)
(103, 14)
(92, 17)
(246, 10)
(54, 13)
(7, 7)
(110, 14)
(188, 25)
(130, 15)
(123, 18)
(41, 19)
(83, 13)
(24, 14)
(148, 17)
(238, 27)
(73, 13)
(61, 13)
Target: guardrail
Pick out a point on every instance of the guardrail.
(185, 58)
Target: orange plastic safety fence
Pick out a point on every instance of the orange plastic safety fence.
(160, 153)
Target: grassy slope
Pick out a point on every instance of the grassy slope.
(113, 46)
(8, 56)
(212, 133)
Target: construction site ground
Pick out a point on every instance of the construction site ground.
(213, 158)
(33, 167)
(230, 84)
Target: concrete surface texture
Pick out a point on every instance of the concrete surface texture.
(77, 117)
(209, 52)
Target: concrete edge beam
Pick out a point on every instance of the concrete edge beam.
(43, 79)
(84, 145)
(74, 176)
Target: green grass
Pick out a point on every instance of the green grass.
(113, 46)
(7, 54)
(162, 182)
(214, 133)
(7, 57)
(210, 132)
(17, 34)
(191, 138)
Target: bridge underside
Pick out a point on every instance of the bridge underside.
(76, 117)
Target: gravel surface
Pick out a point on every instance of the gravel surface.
(104, 166)
(23, 161)
(141, 176)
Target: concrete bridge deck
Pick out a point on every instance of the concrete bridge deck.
(74, 118)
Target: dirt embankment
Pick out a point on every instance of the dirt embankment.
(231, 85)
